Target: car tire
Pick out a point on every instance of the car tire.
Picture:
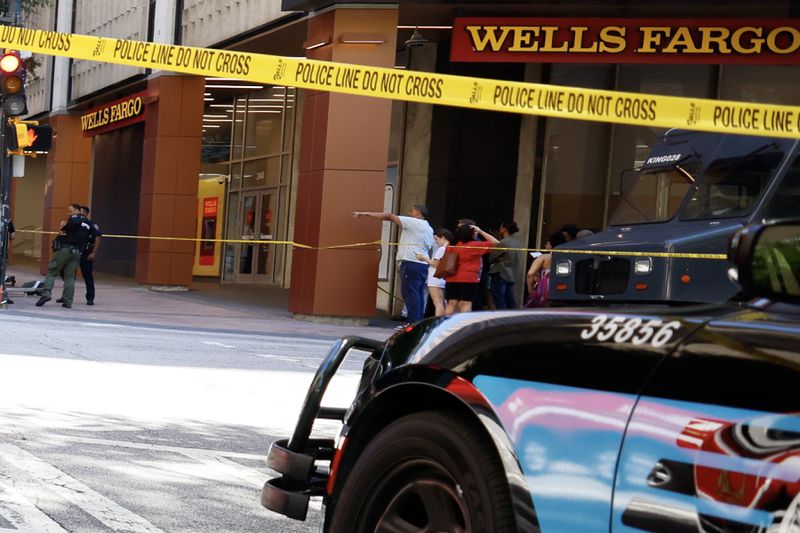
(428, 471)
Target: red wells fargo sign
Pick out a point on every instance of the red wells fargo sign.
(595, 40)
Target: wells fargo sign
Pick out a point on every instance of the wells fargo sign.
(560, 40)
(116, 114)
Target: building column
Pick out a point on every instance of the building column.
(68, 176)
(525, 213)
(416, 157)
(343, 156)
(170, 168)
(61, 65)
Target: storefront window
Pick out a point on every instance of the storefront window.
(632, 144)
(264, 124)
(765, 84)
(238, 127)
(216, 145)
(288, 123)
(576, 157)
(262, 172)
(232, 233)
(249, 137)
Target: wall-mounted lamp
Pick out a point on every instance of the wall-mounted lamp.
(416, 40)
(313, 45)
(362, 38)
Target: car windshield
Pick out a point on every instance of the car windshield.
(653, 196)
(731, 187)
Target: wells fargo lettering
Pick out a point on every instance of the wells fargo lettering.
(111, 114)
(629, 40)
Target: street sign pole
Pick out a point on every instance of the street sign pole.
(15, 10)
(5, 207)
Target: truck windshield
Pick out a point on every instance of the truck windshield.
(731, 187)
(653, 196)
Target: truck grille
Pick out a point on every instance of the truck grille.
(602, 275)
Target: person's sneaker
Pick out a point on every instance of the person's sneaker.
(43, 300)
(401, 327)
(65, 304)
(90, 302)
(60, 301)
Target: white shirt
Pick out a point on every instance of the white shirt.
(432, 280)
(416, 238)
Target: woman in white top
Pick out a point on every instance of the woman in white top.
(442, 236)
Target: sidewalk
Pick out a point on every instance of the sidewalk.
(208, 305)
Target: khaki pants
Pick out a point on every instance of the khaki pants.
(67, 259)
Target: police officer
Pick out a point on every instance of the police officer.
(67, 249)
(87, 257)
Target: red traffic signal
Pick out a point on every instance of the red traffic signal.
(12, 86)
(10, 63)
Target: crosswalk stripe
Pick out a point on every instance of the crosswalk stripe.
(49, 437)
(213, 459)
(102, 508)
(22, 514)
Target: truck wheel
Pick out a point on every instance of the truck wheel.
(430, 471)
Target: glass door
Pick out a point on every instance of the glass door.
(265, 253)
(258, 220)
(248, 233)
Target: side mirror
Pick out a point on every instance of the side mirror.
(765, 260)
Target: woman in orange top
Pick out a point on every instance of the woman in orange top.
(461, 286)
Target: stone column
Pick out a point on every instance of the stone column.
(343, 155)
(170, 168)
(524, 211)
(164, 21)
(61, 65)
(67, 181)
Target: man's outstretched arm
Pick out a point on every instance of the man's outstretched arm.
(380, 215)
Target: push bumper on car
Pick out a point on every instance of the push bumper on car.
(295, 458)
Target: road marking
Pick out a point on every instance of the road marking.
(102, 325)
(147, 446)
(102, 508)
(22, 514)
(213, 460)
(210, 343)
(216, 460)
(281, 357)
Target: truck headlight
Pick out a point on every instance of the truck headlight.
(643, 266)
(563, 267)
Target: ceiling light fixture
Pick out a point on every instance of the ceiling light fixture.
(313, 45)
(434, 27)
(234, 86)
(362, 38)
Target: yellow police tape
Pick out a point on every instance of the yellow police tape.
(430, 88)
(669, 255)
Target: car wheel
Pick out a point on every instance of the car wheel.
(426, 472)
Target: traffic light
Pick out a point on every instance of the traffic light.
(12, 86)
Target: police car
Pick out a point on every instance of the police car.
(670, 419)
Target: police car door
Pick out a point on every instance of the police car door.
(714, 441)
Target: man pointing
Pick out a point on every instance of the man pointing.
(416, 237)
